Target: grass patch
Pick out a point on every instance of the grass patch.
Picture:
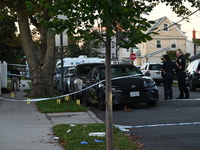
(80, 133)
(53, 106)
(8, 85)
(175, 82)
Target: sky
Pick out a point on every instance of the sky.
(194, 20)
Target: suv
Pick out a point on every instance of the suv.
(129, 85)
(193, 75)
(77, 77)
(153, 70)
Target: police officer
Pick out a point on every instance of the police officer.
(167, 74)
(181, 75)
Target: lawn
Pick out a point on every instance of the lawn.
(57, 105)
(77, 137)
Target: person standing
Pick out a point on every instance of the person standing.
(15, 78)
(167, 74)
(181, 75)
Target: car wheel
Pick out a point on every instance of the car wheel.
(73, 97)
(67, 89)
(151, 103)
(192, 87)
(84, 100)
(101, 101)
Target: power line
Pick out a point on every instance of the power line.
(177, 21)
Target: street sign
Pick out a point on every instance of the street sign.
(133, 56)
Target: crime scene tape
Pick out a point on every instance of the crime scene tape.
(123, 128)
(9, 74)
(62, 96)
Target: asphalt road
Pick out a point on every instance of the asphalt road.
(170, 125)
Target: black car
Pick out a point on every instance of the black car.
(129, 85)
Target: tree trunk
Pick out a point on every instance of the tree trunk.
(41, 65)
(109, 111)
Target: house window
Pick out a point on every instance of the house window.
(173, 44)
(127, 50)
(113, 44)
(113, 55)
(158, 44)
(165, 27)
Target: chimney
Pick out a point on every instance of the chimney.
(193, 34)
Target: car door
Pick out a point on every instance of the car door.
(67, 79)
(91, 79)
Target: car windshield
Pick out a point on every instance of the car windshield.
(155, 67)
(83, 70)
(64, 69)
(118, 71)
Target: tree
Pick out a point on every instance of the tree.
(10, 48)
(89, 48)
(73, 49)
(196, 41)
(42, 58)
(110, 15)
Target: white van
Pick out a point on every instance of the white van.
(73, 61)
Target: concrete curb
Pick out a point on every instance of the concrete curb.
(72, 118)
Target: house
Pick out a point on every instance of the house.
(169, 37)
(102, 48)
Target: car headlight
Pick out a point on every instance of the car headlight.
(148, 82)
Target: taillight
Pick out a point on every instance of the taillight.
(197, 71)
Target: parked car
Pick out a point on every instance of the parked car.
(57, 74)
(66, 80)
(129, 85)
(153, 70)
(193, 75)
(76, 79)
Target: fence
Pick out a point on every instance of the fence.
(3, 74)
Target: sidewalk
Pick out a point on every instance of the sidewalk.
(22, 127)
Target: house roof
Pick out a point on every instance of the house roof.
(159, 21)
(157, 52)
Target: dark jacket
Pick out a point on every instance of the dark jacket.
(15, 73)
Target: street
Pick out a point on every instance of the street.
(170, 125)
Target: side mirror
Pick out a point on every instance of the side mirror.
(70, 75)
(92, 79)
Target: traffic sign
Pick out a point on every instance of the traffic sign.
(133, 56)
